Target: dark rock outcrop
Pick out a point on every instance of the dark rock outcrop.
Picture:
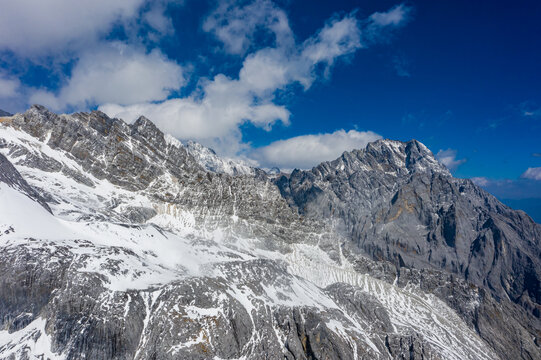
(10, 176)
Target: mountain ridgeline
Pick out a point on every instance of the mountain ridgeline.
(142, 247)
(399, 204)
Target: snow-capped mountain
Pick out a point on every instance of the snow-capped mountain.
(120, 242)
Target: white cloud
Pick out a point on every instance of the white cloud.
(115, 73)
(530, 110)
(213, 114)
(222, 104)
(37, 27)
(523, 188)
(307, 151)
(55, 33)
(9, 86)
(380, 24)
(481, 181)
(532, 173)
(448, 158)
(156, 18)
(235, 26)
(210, 118)
(396, 16)
(338, 37)
(126, 81)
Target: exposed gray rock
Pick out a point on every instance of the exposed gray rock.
(195, 318)
(411, 348)
(10, 176)
(502, 323)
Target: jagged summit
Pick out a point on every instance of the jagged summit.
(388, 156)
(144, 130)
(381, 155)
(148, 130)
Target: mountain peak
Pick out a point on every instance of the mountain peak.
(38, 107)
(404, 148)
(40, 111)
(392, 157)
(143, 121)
(147, 129)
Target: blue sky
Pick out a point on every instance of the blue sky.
(292, 83)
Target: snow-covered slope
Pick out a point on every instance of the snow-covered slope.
(147, 260)
(147, 254)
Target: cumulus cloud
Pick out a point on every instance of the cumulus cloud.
(338, 37)
(61, 34)
(155, 17)
(307, 151)
(380, 24)
(448, 158)
(211, 118)
(396, 16)
(221, 105)
(481, 181)
(522, 188)
(213, 113)
(115, 73)
(9, 86)
(33, 28)
(127, 80)
(235, 26)
(532, 173)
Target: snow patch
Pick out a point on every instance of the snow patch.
(32, 342)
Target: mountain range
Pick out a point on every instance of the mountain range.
(118, 241)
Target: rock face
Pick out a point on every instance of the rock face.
(11, 177)
(141, 247)
(399, 204)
